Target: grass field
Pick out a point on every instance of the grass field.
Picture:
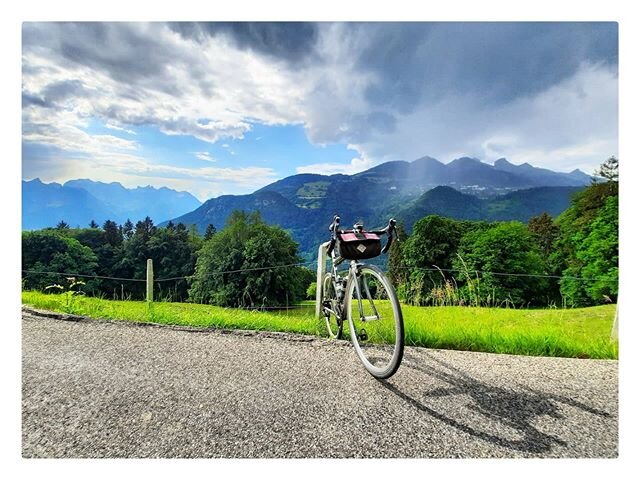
(582, 332)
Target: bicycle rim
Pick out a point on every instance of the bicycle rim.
(375, 321)
(331, 311)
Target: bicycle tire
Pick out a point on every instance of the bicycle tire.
(362, 344)
(333, 322)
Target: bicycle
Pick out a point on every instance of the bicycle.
(364, 297)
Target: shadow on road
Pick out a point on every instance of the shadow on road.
(513, 409)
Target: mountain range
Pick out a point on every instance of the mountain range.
(465, 188)
(77, 202)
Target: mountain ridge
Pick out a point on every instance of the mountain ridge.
(79, 201)
(465, 188)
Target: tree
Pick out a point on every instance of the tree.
(174, 256)
(433, 243)
(93, 224)
(599, 254)
(145, 228)
(234, 268)
(608, 169)
(62, 225)
(127, 229)
(210, 232)
(50, 251)
(592, 273)
(507, 248)
(544, 232)
(397, 267)
(590, 209)
(112, 233)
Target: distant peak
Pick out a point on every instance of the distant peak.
(465, 160)
(427, 159)
(503, 163)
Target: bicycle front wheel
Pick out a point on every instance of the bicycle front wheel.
(375, 321)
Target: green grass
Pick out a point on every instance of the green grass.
(581, 333)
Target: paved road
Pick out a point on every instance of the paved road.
(101, 389)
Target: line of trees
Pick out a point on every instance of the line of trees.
(121, 251)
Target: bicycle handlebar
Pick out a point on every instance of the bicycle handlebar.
(389, 230)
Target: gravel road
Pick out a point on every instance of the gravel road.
(109, 389)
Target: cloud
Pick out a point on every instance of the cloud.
(401, 91)
(147, 74)
(572, 124)
(119, 128)
(206, 156)
(290, 41)
(357, 164)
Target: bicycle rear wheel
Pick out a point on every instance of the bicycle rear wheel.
(375, 321)
(331, 307)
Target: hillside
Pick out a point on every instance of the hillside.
(309, 226)
(519, 205)
(465, 188)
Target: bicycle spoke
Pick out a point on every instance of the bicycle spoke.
(375, 322)
(331, 307)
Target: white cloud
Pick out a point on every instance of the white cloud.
(206, 156)
(356, 165)
(64, 130)
(119, 128)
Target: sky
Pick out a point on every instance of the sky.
(226, 108)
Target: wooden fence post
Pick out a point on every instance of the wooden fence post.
(149, 280)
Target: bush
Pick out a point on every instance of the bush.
(311, 291)
(505, 248)
(247, 243)
(51, 251)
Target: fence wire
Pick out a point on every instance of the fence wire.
(185, 277)
(508, 274)
(308, 264)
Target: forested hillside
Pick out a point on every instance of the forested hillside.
(463, 189)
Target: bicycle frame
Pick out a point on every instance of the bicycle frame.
(352, 272)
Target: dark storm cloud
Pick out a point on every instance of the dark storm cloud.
(55, 93)
(496, 62)
(29, 100)
(127, 52)
(291, 41)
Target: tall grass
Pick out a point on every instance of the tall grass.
(581, 333)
